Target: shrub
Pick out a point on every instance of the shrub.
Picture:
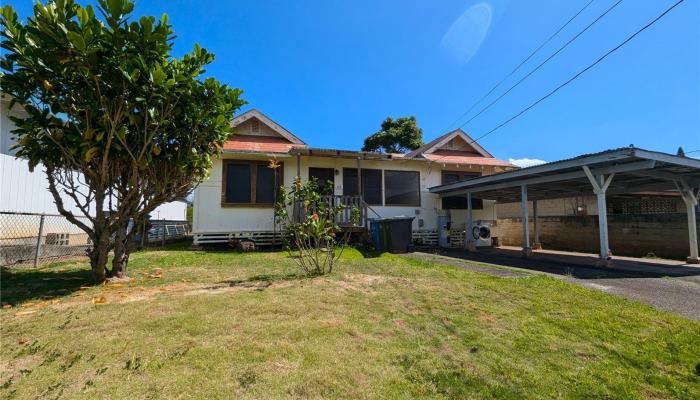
(312, 234)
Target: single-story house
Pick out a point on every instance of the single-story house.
(237, 200)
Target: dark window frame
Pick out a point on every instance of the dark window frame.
(477, 204)
(253, 182)
(363, 181)
(387, 204)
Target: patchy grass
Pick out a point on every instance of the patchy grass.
(228, 325)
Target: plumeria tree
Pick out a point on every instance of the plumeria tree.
(120, 125)
(314, 238)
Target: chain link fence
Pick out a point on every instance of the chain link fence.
(37, 239)
(27, 238)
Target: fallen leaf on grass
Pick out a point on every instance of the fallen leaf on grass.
(99, 300)
(27, 312)
(115, 285)
(23, 340)
(158, 273)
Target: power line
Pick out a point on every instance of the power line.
(543, 62)
(526, 59)
(614, 49)
(692, 151)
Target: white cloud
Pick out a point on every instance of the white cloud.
(466, 34)
(526, 162)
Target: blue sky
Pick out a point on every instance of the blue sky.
(331, 71)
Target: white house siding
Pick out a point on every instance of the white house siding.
(210, 217)
(21, 190)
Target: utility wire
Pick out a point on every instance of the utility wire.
(614, 49)
(543, 62)
(526, 59)
(692, 151)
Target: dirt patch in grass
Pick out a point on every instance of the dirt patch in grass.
(130, 291)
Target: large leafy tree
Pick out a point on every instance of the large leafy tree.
(399, 135)
(120, 125)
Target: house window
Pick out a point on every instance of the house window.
(325, 178)
(459, 202)
(402, 188)
(371, 185)
(254, 126)
(250, 183)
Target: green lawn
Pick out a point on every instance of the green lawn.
(228, 325)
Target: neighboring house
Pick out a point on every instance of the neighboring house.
(237, 199)
(22, 191)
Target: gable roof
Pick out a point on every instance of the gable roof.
(258, 144)
(467, 160)
(439, 142)
(254, 113)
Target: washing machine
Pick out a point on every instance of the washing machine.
(481, 234)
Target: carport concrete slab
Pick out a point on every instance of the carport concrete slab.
(666, 284)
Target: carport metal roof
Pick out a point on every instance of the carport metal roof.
(619, 171)
(635, 170)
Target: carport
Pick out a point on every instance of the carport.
(612, 172)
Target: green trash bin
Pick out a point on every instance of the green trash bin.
(396, 234)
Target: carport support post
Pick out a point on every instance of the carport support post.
(469, 244)
(690, 198)
(600, 185)
(527, 250)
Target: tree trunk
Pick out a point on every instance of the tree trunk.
(124, 245)
(121, 253)
(98, 260)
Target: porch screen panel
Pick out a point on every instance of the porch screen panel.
(402, 188)
(372, 186)
(325, 178)
(350, 182)
(238, 183)
(265, 184)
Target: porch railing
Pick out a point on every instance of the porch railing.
(345, 218)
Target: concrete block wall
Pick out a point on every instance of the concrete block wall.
(584, 205)
(665, 235)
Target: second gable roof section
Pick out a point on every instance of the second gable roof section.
(441, 141)
(279, 129)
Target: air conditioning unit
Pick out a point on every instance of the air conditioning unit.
(481, 234)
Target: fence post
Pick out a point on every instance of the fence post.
(162, 229)
(143, 234)
(37, 250)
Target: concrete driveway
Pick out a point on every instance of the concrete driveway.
(667, 285)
